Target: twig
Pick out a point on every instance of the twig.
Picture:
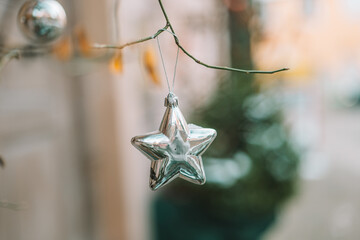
(96, 45)
(13, 206)
(116, 19)
(177, 42)
(15, 53)
(2, 162)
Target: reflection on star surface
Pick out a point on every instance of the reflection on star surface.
(175, 150)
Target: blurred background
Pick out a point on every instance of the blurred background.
(285, 164)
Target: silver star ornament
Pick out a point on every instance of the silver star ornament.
(175, 150)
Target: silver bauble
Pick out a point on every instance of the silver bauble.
(42, 21)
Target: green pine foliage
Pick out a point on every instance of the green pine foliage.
(249, 125)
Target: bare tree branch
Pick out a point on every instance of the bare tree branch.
(15, 52)
(2, 162)
(96, 45)
(13, 206)
(4, 60)
(177, 42)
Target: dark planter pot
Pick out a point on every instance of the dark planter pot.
(180, 221)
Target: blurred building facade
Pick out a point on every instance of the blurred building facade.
(70, 170)
(320, 41)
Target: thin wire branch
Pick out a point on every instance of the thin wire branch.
(116, 20)
(26, 50)
(13, 206)
(2, 162)
(15, 53)
(177, 42)
(99, 46)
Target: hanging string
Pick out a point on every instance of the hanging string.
(171, 89)
(116, 5)
(176, 62)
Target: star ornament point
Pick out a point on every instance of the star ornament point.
(175, 150)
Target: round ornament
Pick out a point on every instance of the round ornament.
(42, 21)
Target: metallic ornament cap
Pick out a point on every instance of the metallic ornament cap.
(171, 100)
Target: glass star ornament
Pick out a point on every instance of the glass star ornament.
(175, 150)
